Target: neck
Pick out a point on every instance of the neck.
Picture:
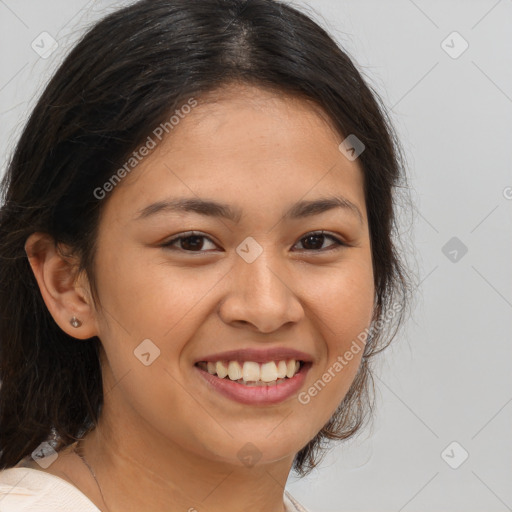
(132, 476)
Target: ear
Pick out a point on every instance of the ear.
(64, 293)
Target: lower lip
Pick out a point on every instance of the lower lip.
(253, 395)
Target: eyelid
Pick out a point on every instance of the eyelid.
(338, 242)
(187, 234)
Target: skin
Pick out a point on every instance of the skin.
(169, 440)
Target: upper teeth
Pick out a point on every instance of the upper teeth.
(251, 371)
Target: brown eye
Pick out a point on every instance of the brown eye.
(315, 241)
(191, 243)
(195, 243)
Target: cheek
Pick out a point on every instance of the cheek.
(150, 296)
(343, 301)
(343, 304)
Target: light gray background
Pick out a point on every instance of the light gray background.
(447, 377)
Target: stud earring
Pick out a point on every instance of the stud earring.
(75, 322)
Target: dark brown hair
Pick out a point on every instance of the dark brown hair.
(125, 76)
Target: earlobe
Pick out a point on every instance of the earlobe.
(56, 276)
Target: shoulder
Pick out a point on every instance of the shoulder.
(291, 504)
(24, 489)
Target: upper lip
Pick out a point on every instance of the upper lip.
(258, 355)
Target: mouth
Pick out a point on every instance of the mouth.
(252, 373)
(250, 382)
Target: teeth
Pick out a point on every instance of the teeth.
(290, 368)
(220, 369)
(252, 372)
(281, 369)
(268, 372)
(234, 370)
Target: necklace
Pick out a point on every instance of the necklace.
(82, 457)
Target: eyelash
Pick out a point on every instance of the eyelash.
(337, 242)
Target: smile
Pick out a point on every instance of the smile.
(249, 382)
(251, 371)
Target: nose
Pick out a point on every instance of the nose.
(261, 294)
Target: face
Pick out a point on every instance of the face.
(262, 280)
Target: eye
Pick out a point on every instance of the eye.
(317, 239)
(194, 242)
(190, 243)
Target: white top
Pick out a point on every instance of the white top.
(31, 490)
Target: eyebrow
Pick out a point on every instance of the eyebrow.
(212, 208)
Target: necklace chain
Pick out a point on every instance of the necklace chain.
(82, 457)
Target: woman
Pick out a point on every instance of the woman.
(197, 263)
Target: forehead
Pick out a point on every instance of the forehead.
(244, 145)
(258, 114)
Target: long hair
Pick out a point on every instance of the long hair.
(125, 76)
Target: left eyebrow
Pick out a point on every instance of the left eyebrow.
(211, 208)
